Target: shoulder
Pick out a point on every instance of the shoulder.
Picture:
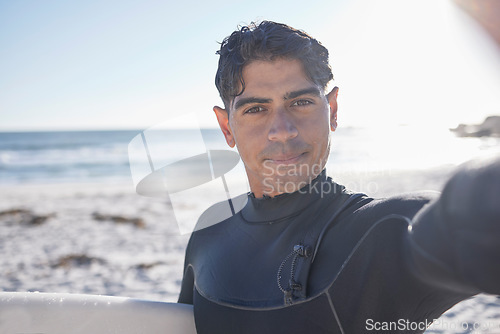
(404, 204)
(214, 222)
(220, 212)
(411, 199)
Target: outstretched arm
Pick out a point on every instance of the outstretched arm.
(455, 241)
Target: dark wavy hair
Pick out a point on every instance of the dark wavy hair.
(268, 41)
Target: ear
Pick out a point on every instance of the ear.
(223, 119)
(332, 101)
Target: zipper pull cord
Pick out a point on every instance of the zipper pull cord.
(298, 250)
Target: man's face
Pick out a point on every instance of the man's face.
(280, 125)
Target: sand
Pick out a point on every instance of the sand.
(105, 239)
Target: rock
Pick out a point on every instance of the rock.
(489, 128)
(23, 217)
(145, 266)
(76, 260)
(137, 222)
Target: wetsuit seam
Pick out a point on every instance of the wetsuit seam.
(348, 258)
(242, 307)
(186, 270)
(333, 219)
(362, 239)
(187, 267)
(332, 307)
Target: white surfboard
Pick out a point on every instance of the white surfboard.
(60, 313)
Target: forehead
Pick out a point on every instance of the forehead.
(264, 78)
(270, 73)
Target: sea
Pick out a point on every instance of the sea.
(128, 155)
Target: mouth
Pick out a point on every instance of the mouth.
(287, 159)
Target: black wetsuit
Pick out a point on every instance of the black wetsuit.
(336, 262)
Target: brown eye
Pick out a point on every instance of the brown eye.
(301, 103)
(253, 110)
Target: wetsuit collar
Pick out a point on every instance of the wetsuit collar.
(271, 209)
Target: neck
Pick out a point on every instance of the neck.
(288, 204)
(278, 185)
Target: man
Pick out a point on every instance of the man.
(305, 255)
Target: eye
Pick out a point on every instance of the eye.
(253, 110)
(301, 103)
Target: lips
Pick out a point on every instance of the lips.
(286, 159)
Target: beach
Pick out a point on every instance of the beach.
(83, 247)
(105, 239)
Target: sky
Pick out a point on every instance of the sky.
(72, 65)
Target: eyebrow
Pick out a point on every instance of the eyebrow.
(248, 100)
(307, 91)
(291, 95)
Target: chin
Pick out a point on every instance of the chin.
(287, 183)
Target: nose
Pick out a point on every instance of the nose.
(282, 127)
